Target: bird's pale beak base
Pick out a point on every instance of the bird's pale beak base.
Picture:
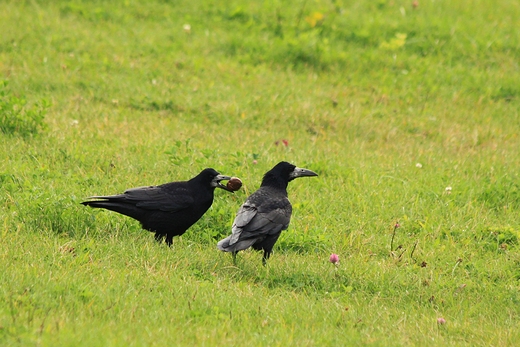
(301, 172)
(218, 179)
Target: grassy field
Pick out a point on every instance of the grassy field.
(408, 111)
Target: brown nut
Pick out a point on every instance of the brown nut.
(234, 184)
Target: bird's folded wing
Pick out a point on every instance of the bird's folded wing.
(253, 223)
(265, 222)
(155, 198)
(244, 215)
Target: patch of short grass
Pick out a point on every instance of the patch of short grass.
(409, 115)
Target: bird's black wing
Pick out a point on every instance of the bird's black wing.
(154, 198)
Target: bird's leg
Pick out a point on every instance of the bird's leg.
(266, 256)
(158, 237)
(169, 240)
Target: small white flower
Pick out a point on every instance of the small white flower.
(418, 165)
(186, 28)
(74, 122)
(448, 190)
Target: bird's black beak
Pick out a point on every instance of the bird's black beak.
(216, 182)
(301, 172)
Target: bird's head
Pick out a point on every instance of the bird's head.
(286, 172)
(214, 178)
(301, 172)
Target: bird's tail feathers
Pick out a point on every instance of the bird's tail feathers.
(226, 246)
(223, 245)
(126, 209)
(118, 197)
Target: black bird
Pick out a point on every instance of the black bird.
(261, 219)
(168, 209)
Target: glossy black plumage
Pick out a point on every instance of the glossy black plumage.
(261, 219)
(169, 209)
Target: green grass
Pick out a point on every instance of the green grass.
(390, 104)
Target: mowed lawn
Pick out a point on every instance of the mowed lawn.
(407, 110)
